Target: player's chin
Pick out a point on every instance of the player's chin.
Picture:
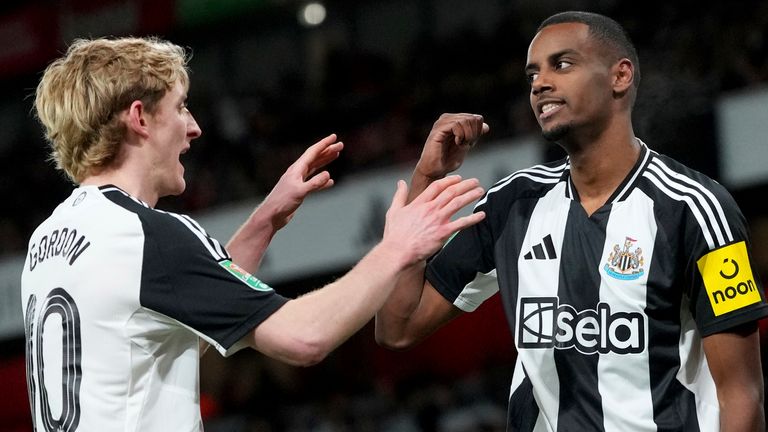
(182, 186)
(177, 187)
(555, 132)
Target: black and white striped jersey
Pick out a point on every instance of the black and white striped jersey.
(116, 296)
(608, 310)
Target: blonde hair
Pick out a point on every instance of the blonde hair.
(80, 95)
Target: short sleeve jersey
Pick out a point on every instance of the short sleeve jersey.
(116, 297)
(608, 310)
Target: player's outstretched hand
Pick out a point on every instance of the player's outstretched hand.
(448, 142)
(301, 179)
(420, 229)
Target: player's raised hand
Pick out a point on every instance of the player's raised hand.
(420, 228)
(301, 179)
(448, 142)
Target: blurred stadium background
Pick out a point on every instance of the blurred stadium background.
(271, 77)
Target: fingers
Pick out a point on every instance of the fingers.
(328, 155)
(465, 222)
(321, 181)
(323, 143)
(454, 190)
(434, 189)
(447, 196)
(401, 196)
(456, 197)
(319, 155)
(322, 148)
(465, 128)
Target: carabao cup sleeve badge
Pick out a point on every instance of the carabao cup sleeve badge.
(728, 278)
(244, 276)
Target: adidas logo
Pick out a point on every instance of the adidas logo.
(542, 251)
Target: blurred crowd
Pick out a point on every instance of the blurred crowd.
(422, 403)
(383, 105)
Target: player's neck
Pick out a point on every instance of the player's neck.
(598, 167)
(135, 185)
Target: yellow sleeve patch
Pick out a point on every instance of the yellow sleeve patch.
(728, 278)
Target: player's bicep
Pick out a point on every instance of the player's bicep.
(433, 312)
(734, 361)
(734, 356)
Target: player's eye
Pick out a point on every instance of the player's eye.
(531, 77)
(563, 64)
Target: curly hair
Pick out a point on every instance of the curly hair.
(81, 93)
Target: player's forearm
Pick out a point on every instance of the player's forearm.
(249, 244)
(419, 182)
(313, 325)
(394, 316)
(741, 410)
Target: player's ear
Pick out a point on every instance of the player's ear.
(135, 117)
(623, 73)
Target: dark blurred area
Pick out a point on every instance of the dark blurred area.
(265, 86)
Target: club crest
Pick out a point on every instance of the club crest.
(625, 263)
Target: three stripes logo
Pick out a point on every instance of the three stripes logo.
(542, 251)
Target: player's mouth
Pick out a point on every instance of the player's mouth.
(548, 109)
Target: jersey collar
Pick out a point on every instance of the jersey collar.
(112, 188)
(625, 188)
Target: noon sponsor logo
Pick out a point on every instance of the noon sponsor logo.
(728, 278)
(544, 323)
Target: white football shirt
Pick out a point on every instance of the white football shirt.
(116, 296)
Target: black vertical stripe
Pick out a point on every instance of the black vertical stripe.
(674, 406)
(523, 411)
(538, 252)
(581, 407)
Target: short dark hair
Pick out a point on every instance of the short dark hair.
(606, 31)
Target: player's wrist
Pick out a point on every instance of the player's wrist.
(393, 253)
(265, 218)
(428, 174)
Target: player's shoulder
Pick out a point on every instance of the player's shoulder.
(531, 182)
(131, 204)
(683, 183)
(167, 229)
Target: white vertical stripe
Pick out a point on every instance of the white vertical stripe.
(694, 372)
(694, 208)
(540, 278)
(624, 379)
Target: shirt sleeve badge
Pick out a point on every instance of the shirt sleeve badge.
(728, 278)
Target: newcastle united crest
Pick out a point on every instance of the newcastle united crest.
(625, 263)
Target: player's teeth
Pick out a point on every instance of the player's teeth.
(549, 107)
